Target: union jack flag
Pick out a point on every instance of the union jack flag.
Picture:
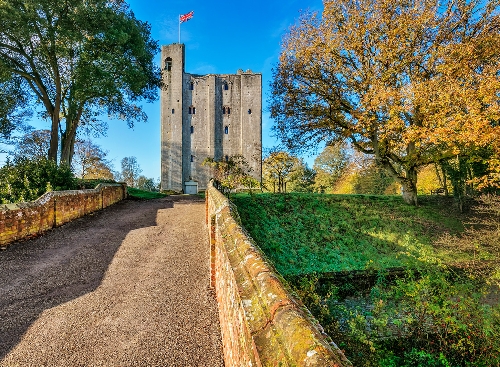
(185, 17)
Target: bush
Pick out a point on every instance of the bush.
(433, 320)
(26, 180)
(415, 358)
(444, 314)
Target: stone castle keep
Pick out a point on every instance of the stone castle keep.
(202, 116)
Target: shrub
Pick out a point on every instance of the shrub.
(415, 358)
(433, 320)
(26, 180)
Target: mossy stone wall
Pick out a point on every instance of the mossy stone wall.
(261, 323)
(22, 220)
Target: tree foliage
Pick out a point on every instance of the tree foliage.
(130, 171)
(409, 82)
(330, 165)
(32, 145)
(13, 103)
(147, 184)
(278, 169)
(302, 178)
(231, 173)
(79, 59)
(373, 180)
(90, 161)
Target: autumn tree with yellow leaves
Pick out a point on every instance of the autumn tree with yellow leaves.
(278, 169)
(409, 82)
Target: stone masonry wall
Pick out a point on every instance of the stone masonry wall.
(211, 115)
(22, 220)
(261, 324)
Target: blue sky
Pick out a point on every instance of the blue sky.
(222, 37)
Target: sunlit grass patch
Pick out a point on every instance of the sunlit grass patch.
(304, 233)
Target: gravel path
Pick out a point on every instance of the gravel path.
(127, 286)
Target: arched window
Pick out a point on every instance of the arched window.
(192, 158)
(168, 64)
(191, 110)
(226, 129)
(226, 86)
(173, 111)
(227, 158)
(249, 111)
(226, 110)
(192, 129)
(191, 86)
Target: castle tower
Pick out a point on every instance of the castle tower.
(204, 116)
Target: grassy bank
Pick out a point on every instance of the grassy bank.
(304, 233)
(433, 315)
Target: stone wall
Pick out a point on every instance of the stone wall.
(261, 324)
(22, 220)
(212, 115)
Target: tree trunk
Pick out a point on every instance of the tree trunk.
(409, 185)
(445, 183)
(409, 194)
(54, 138)
(68, 142)
(436, 167)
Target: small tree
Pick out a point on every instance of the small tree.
(330, 165)
(90, 161)
(147, 184)
(231, 173)
(302, 178)
(373, 180)
(32, 145)
(278, 168)
(130, 171)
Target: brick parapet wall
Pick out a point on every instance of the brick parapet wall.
(22, 220)
(261, 323)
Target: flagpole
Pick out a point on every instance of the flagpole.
(184, 18)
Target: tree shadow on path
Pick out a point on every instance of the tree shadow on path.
(64, 264)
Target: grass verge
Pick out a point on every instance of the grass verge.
(315, 233)
(134, 193)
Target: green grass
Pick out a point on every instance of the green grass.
(309, 233)
(144, 195)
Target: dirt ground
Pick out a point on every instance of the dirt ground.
(127, 286)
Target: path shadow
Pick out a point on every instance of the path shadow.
(64, 264)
